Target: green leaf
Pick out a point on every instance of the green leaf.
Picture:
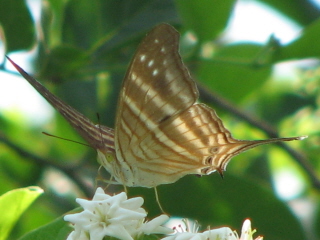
(64, 62)
(302, 12)
(304, 46)
(13, 204)
(206, 18)
(79, 32)
(234, 66)
(56, 230)
(113, 16)
(17, 24)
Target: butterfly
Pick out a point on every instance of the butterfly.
(161, 133)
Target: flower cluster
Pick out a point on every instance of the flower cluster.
(123, 218)
(115, 216)
(223, 233)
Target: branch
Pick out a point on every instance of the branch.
(71, 171)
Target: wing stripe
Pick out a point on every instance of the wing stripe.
(158, 135)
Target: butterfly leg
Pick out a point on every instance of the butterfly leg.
(157, 199)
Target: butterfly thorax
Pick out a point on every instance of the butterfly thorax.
(119, 171)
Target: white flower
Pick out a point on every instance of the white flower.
(154, 226)
(247, 232)
(114, 216)
(223, 233)
(78, 234)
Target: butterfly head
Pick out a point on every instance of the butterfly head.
(120, 171)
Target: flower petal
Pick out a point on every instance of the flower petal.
(154, 226)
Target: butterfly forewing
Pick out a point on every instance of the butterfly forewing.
(156, 87)
(157, 84)
(99, 137)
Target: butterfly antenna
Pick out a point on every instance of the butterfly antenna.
(66, 139)
(157, 199)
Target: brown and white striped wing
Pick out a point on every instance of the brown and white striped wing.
(99, 137)
(161, 134)
(193, 142)
(156, 87)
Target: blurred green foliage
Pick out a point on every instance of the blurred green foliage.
(83, 48)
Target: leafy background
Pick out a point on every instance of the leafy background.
(81, 51)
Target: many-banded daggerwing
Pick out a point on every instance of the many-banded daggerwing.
(161, 133)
